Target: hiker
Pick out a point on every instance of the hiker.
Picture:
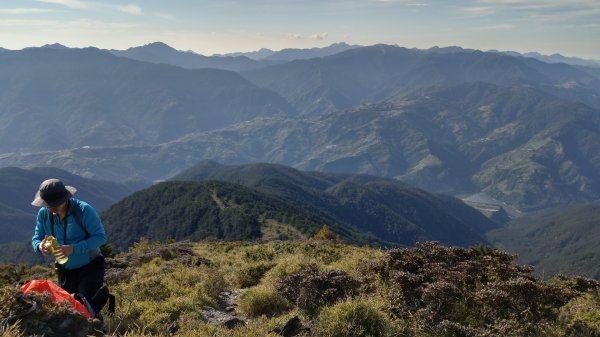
(78, 228)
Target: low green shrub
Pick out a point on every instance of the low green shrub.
(582, 314)
(355, 318)
(263, 301)
(289, 265)
(250, 275)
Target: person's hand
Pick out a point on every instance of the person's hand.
(66, 250)
(42, 247)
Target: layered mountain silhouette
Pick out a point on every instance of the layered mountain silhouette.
(554, 58)
(291, 54)
(377, 72)
(59, 99)
(159, 52)
(446, 119)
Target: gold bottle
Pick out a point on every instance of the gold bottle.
(54, 247)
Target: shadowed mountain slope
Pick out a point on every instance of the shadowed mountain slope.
(389, 209)
(560, 240)
(213, 210)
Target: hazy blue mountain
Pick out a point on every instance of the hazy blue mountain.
(374, 73)
(55, 46)
(290, 54)
(57, 99)
(448, 50)
(432, 126)
(17, 215)
(254, 55)
(159, 52)
(561, 240)
(554, 58)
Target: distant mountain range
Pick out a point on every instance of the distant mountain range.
(376, 73)
(446, 119)
(71, 98)
(554, 58)
(291, 54)
(159, 52)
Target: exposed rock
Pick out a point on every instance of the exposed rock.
(291, 328)
(227, 315)
(233, 322)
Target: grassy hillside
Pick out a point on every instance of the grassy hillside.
(320, 289)
(557, 240)
(386, 208)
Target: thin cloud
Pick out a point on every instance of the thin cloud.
(544, 4)
(319, 36)
(496, 27)
(400, 2)
(164, 16)
(316, 36)
(80, 4)
(24, 10)
(478, 10)
(77, 4)
(77, 25)
(27, 23)
(130, 9)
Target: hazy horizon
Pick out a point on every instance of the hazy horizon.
(209, 27)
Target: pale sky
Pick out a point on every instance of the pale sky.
(568, 27)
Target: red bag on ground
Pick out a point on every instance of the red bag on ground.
(58, 294)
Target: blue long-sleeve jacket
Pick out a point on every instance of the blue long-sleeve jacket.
(83, 249)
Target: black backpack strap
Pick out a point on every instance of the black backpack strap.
(51, 219)
(77, 214)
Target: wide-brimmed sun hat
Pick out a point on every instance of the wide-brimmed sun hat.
(52, 193)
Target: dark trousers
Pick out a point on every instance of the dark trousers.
(83, 281)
